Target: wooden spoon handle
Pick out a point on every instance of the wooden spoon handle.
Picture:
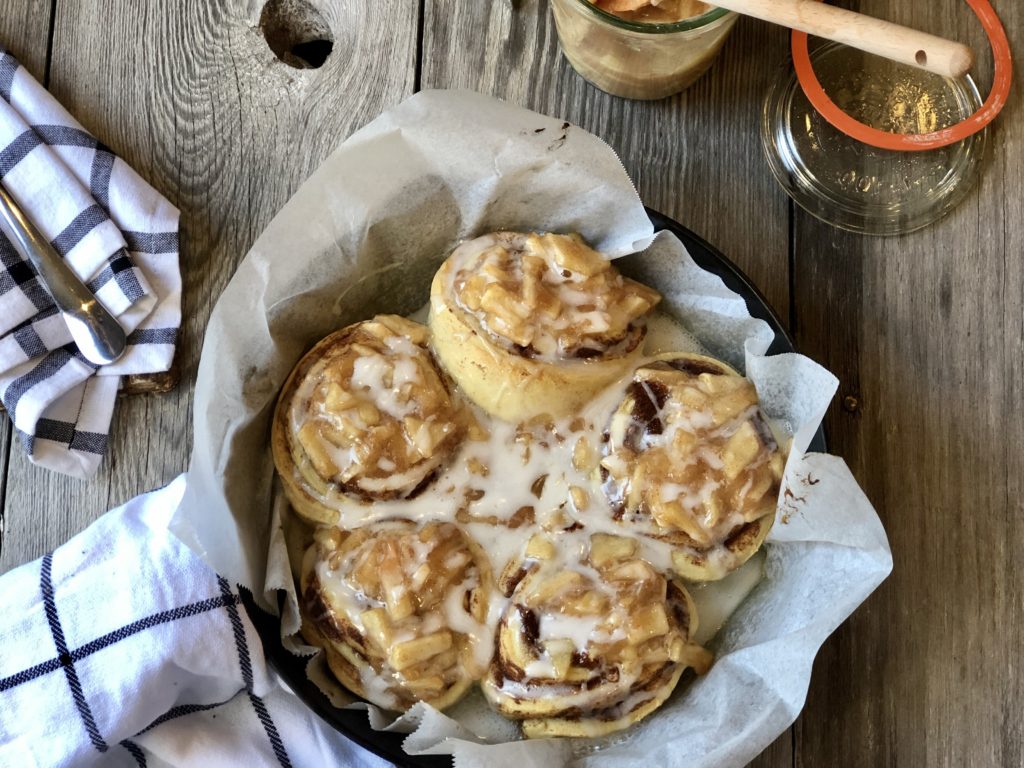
(909, 46)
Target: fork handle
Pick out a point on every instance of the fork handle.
(97, 334)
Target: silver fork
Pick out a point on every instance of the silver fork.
(97, 334)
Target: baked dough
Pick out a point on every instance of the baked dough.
(689, 454)
(365, 415)
(399, 610)
(531, 324)
(589, 647)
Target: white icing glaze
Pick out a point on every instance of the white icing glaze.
(707, 451)
(456, 619)
(665, 334)
(368, 375)
(716, 600)
(581, 630)
(514, 464)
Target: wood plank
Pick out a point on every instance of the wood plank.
(25, 32)
(926, 331)
(190, 94)
(778, 754)
(695, 156)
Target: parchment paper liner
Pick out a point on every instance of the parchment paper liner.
(364, 235)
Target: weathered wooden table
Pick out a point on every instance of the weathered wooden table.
(926, 332)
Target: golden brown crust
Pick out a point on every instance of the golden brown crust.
(610, 720)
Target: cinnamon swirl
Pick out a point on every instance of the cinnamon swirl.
(400, 611)
(365, 415)
(588, 647)
(690, 457)
(531, 324)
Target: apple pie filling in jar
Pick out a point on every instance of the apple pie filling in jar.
(637, 49)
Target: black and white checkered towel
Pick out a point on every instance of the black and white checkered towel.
(118, 234)
(122, 648)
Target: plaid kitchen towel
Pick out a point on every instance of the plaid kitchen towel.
(122, 648)
(121, 238)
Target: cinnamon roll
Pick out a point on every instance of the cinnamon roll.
(691, 460)
(400, 611)
(587, 648)
(531, 324)
(365, 415)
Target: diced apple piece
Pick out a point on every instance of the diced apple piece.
(560, 653)
(377, 627)
(518, 648)
(570, 252)
(420, 576)
(540, 547)
(720, 383)
(338, 398)
(676, 648)
(311, 440)
(634, 570)
(741, 449)
(369, 414)
(590, 603)
(656, 651)
(606, 548)
(691, 397)
(649, 621)
(762, 483)
(419, 649)
(426, 687)
(397, 600)
(562, 582)
(725, 408)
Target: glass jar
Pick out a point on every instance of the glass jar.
(638, 59)
(855, 186)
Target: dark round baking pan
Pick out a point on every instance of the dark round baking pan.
(354, 723)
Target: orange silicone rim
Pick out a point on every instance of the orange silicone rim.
(914, 142)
